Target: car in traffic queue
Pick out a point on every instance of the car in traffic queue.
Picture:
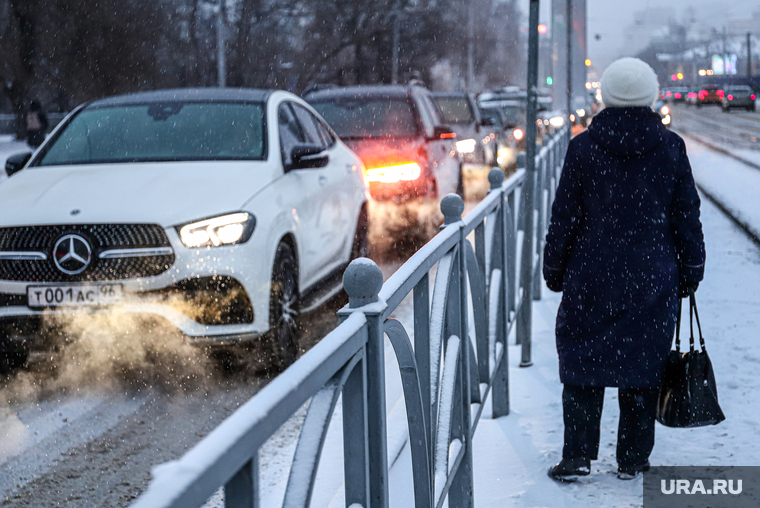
(709, 94)
(400, 134)
(475, 137)
(738, 96)
(242, 204)
(663, 110)
(508, 135)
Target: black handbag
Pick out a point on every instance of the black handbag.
(688, 395)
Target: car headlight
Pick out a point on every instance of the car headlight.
(223, 230)
(557, 122)
(518, 134)
(666, 120)
(664, 110)
(466, 145)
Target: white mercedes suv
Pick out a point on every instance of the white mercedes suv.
(224, 212)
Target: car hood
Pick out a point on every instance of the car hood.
(167, 193)
(386, 151)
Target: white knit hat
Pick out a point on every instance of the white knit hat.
(629, 82)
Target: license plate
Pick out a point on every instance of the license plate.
(81, 295)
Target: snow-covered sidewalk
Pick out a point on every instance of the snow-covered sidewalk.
(513, 453)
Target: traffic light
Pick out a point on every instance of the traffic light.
(588, 62)
(549, 80)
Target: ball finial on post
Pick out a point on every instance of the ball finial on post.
(362, 281)
(496, 178)
(452, 207)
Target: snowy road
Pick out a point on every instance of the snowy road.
(738, 128)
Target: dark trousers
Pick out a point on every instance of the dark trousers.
(582, 407)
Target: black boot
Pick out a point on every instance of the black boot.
(631, 472)
(569, 470)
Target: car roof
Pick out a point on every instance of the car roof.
(364, 91)
(451, 94)
(185, 94)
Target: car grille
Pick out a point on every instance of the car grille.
(101, 237)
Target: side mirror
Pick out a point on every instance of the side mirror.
(488, 122)
(443, 132)
(308, 156)
(16, 162)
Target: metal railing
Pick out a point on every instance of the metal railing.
(446, 375)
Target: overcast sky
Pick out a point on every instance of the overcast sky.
(608, 18)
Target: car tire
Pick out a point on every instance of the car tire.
(460, 183)
(361, 247)
(284, 329)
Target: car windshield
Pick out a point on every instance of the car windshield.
(368, 117)
(168, 131)
(515, 115)
(456, 110)
(492, 114)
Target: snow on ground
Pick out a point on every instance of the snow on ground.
(734, 184)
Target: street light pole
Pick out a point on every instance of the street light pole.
(470, 46)
(569, 21)
(525, 315)
(749, 54)
(221, 57)
(396, 36)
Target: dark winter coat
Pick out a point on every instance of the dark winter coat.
(625, 224)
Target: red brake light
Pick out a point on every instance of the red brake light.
(702, 94)
(391, 174)
(730, 97)
(678, 95)
(448, 135)
(721, 93)
(752, 97)
(669, 94)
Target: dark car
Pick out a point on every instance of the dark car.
(509, 137)
(739, 96)
(474, 136)
(399, 132)
(709, 94)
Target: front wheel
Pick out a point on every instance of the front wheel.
(460, 183)
(360, 247)
(283, 332)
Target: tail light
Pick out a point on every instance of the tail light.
(752, 97)
(669, 94)
(730, 97)
(678, 95)
(721, 93)
(702, 94)
(692, 95)
(406, 171)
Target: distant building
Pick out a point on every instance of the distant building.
(647, 25)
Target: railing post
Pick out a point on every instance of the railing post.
(362, 282)
(500, 388)
(462, 488)
(517, 280)
(539, 206)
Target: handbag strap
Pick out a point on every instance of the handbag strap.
(678, 328)
(693, 308)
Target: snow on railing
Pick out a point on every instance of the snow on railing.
(446, 375)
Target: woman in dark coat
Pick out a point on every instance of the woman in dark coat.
(624, 242)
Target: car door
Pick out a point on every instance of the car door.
(310, 201)
(333, 185)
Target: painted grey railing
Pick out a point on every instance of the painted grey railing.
(446, 375)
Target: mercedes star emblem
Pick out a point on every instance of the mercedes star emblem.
(72, 254)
